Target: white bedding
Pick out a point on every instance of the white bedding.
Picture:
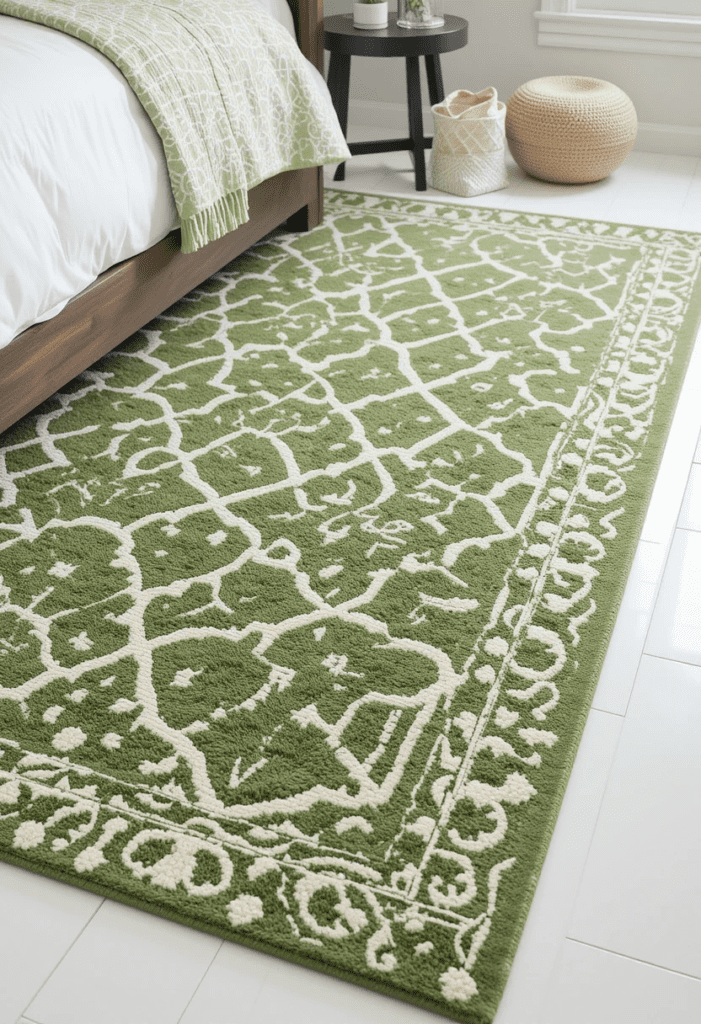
(83, 177)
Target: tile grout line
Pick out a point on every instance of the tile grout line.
(596, 819)
(635, 959)
(668, 545)
(658, 587)
(249, 1017)
(675, 661)
(697, 165)
(197, 986)
(59, 962)
(643, 653)
(578, 885)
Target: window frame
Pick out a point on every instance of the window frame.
(568, 23)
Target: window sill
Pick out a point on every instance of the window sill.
(634, 33)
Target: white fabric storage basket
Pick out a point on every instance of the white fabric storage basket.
(469, 143)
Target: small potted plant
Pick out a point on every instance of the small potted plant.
(420, 13)
(370, 14)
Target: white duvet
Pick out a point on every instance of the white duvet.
(83, 177)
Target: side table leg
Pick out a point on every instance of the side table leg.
(435, 78)
(339, 84)
(416, 127)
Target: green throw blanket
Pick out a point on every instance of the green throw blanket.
(227, 88)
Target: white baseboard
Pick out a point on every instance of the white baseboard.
(670, 139)
(383, 114)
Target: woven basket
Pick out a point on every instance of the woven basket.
(570, 129)
(467, 157)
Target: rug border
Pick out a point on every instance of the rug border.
(688, 333)
(238, 939)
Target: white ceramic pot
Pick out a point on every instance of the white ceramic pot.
(370, 16)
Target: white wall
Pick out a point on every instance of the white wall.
(502, 52)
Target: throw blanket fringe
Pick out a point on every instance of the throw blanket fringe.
(223, 216)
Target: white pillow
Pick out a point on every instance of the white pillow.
(280, 10)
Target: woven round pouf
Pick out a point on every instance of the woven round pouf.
(570, 129)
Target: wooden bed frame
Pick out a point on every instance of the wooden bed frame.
(127, 296)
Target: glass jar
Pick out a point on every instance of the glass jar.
(420, 14)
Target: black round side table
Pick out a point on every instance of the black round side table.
(344, 41)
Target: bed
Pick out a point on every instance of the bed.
(44, 356)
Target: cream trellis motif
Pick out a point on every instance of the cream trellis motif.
(299, 587)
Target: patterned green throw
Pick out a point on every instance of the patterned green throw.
(228, 90)
(305, 589)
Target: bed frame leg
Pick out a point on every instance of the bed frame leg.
(313, 213)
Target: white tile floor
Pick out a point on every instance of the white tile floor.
(614, 933)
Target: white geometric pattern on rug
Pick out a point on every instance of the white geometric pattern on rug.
(349, 502)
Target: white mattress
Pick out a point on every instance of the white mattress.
(83, 177)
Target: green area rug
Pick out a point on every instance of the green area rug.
(305, 589)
